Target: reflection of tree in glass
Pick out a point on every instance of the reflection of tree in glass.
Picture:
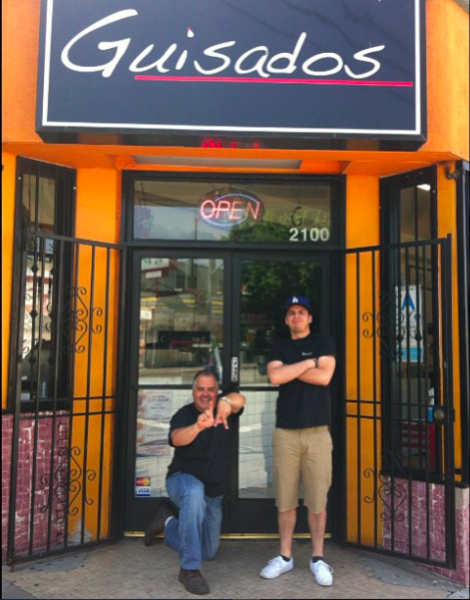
(266, 231)
(307, 217)
(277, 227)
(267, 285)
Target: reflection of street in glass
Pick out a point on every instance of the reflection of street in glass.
(181, 318)
(255, 453)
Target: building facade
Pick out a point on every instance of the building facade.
(170, 176)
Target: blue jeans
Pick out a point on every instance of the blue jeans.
(195, 535)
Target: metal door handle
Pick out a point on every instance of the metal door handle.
(234, 370)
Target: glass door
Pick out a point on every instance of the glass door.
(224, 311)
(261, 286)
(179, 327)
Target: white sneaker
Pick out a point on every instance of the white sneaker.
(277, 566)
(322, 572)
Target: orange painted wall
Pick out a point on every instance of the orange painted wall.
(8, 214)
(98, 205)
(363, 441)
(447, 74)
(20, 44)
(97, 218)
(362, 211)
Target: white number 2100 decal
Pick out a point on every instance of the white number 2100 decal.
(315, 234)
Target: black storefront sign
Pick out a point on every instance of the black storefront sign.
(238, 73)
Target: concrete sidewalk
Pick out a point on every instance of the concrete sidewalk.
(130, 570)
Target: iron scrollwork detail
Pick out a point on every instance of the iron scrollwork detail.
(390, 327)
(388, 489)
(69, 480)
(75, 482)
(79, 319)
(379, 320)
(395, 487)
(97, 312)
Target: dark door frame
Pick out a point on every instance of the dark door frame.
(329, 255)
(141, 517)
(268, 515)
(162, 247)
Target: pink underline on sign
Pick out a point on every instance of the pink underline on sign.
(281, 81)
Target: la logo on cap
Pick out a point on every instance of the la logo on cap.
(294, 300)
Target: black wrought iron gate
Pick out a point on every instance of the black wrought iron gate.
(399, 458)
(66, 392)
(398, 464)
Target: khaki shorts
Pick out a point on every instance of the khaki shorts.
(302, 455)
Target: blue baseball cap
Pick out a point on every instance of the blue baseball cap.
(300, 300)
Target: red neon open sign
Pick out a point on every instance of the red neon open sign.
(225, 208)
(221, 143)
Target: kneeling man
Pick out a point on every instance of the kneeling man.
(202, 434)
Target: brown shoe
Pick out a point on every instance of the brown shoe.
(165, 509)
(194, 582)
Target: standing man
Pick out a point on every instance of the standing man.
(303, 367)
(202, 434)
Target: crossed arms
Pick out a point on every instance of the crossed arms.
(315, 371)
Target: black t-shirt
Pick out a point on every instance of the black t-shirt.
(209, 456)
(299, 404)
